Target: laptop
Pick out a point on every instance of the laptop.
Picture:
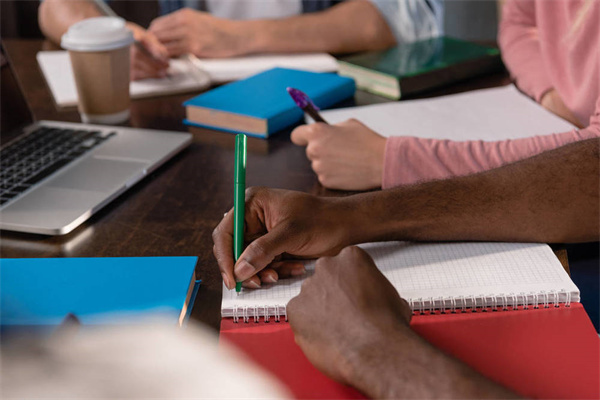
(55, 175)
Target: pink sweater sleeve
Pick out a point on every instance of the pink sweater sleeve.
(410, 160)
(521, 51)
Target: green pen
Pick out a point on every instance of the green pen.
(239, 199)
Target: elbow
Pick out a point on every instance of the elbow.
(49, 21)
(44, 18)
(376, 33)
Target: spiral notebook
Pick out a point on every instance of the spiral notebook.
(439, 276)
(544, 346)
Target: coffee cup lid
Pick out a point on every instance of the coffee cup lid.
(97, 34)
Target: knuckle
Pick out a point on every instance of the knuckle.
(216, 233)
(324, 179)
(306, 285)
(317, 165)
(313, 151)
(292, 305)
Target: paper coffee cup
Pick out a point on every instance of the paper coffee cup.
(99, 52)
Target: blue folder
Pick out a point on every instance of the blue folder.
(42, 291)
(264, 96)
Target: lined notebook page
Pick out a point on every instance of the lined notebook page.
(489, 273)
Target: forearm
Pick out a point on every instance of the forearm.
(519, 42)
(552, 197)
(408, 160)
(403, 365)
(348, 27)
(55, 16)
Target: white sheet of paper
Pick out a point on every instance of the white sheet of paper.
(488, 114)
(185, 76)
(58, 72)
(232, 69)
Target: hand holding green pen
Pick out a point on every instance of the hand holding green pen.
(239, 204)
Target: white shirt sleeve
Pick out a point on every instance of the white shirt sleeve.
(412, 20)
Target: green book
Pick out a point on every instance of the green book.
(418, 66)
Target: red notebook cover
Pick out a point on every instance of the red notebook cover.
(540, 353)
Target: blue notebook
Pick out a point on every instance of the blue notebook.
(260, 105)
(42, 291)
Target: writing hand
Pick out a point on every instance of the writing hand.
(345, 156)
(143, 65)
(199, 33)
(279, 225)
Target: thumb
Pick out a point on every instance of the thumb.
(261, 253)
(301, 135)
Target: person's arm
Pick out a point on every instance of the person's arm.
(409, 160)
(350, 156)
(56, 16)
(549, 198)
(347, 27)
(519, 42)
(359, 334)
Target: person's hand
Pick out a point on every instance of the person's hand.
(279, 225)
(346, 314)
(142, 65)
(346, 156)
(199, 33)
(552, 102)
(353, 326)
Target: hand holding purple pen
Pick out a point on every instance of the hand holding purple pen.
(306, 104)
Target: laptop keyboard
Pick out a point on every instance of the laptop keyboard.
(40, 153)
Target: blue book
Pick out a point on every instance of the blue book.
(260, 105)
(42, 291)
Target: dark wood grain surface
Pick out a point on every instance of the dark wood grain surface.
(173, 211)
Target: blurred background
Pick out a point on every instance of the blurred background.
(464, 19)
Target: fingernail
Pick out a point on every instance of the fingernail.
(298, 271)
(226, 280)
(243, 270)
(271, 278)
(253, 285)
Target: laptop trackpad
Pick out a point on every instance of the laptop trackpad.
(98, 175)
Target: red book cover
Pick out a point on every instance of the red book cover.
(540, 353)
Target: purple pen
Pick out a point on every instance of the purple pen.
(306, 104)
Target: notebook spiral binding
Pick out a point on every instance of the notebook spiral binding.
(432, 305)
(245, 313)
(483, 303)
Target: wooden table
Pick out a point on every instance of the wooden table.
(173, 211)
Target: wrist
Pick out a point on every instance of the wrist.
(251, 36)
(371, 366)
(371, 217)
(378, 161)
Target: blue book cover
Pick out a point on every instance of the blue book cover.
(260, 105)
(42, 291)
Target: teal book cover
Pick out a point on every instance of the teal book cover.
(260, 105)
(105, 290)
